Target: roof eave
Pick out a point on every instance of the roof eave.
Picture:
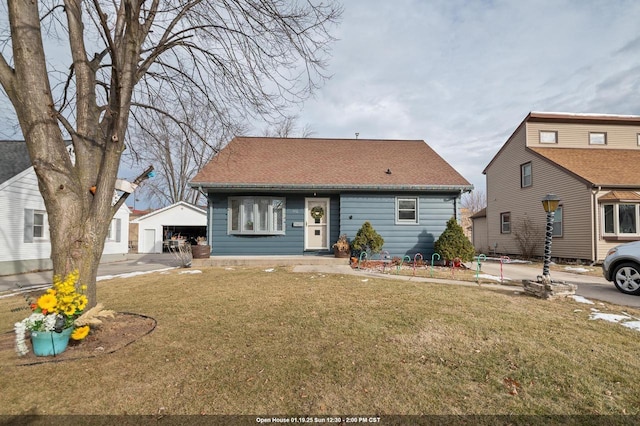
(207, 186)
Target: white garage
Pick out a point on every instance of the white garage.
(179, 223)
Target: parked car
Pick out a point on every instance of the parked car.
(622, 266)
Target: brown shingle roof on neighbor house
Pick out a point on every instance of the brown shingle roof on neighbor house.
(328, 163)
(605, 167)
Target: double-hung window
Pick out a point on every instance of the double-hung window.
(256, 215)
(406, 210)
(35, 226)
(557, 222)
(525, 175)
(505, 223)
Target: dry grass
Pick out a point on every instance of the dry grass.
(246, 341)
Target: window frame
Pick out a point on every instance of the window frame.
(548, 133)
(42, 226)
(522, 174)
(505, 222)
(556, 221)
(604, 138)
(416, 212)
(242, 222)
(615, 217)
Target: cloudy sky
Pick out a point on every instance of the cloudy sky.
(462, 74)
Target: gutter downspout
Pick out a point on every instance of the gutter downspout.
(594, 241)
(209, 217)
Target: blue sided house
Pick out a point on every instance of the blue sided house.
(287, 196)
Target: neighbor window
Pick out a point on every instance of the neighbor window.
(256, 215)
(35, 225)
(557, 222)
(547, 136)
(406, 210)
(505, 223)
(114, 232)
(638, 137)
(525, 175)
(597, 138)
(620, 219)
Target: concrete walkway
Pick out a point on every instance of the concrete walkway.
(589, 287)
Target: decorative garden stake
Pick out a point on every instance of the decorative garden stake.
(479, 259)
(405, 257)
(432, 257)
(384, 255)
(362, 255)
(503, 259)
(455, 264)
(415, 261)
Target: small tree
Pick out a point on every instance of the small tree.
(453, 243)
(367, 239)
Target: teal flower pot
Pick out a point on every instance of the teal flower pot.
(48, 343)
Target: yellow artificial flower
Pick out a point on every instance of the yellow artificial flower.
(82, 302)
(69, 310)
(47, 302)
(80, 333)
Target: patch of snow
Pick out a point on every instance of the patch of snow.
(574, 269)
(229, 269)
(269, 270)
(192, 271)
(608, 317)
(581, 299)
(365, 280)
(130, 274)
(493, 277)
(634, 325)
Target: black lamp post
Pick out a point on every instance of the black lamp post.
(550, 203)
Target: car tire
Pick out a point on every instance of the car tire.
(626, 278)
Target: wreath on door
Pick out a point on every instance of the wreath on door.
(317, 212)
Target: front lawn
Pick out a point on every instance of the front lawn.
(247, 341)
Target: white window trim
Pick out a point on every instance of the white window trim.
(415, 221)
(522, 175)
(616, 220)
(45, 229)
(544, 133)
(561, 222)
(270, 218)
(592, 136)
(503, 223)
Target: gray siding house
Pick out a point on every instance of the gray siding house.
(285, 196)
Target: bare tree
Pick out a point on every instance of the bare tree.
(287, 128)
(178, 148)
(231, 58)
(474, 201)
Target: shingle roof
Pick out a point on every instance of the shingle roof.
(605, 167)
(248, 162)
(620, 196)
(14, 159)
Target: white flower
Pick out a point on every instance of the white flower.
(21, 331)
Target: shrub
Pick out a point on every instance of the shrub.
(367, 239)
(453, 243)
(528, 237)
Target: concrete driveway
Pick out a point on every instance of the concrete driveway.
(592, 288)
(131, 264)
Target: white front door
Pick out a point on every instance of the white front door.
(316, 224)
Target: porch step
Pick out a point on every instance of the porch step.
(259, 261)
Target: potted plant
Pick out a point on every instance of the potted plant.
(342, 248)
(56, 316)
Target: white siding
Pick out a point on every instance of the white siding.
(16, 256)
(179, 214)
